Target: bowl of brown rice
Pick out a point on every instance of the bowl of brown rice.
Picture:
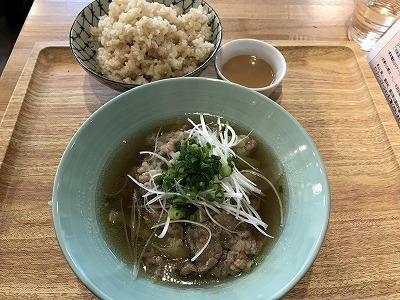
(127, 43)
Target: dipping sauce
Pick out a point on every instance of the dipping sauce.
(248, 70)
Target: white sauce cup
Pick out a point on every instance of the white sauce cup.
(257, 48)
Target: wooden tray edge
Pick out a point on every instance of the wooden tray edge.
(390, 127)
(14, 106)
(386, 118)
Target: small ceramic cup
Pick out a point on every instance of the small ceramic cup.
(257, 48)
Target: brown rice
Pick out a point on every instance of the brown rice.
(139, 42)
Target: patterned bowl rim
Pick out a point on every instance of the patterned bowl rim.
(131, 85)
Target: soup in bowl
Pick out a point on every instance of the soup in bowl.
(228, 171)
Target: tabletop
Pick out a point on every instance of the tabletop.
(50, 20)
(357, 139)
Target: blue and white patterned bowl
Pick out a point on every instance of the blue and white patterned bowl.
(85, 53)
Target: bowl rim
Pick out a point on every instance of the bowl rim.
(305, 265)
(133, 85)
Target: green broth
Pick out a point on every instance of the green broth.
(112, 194)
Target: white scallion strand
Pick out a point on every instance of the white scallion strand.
(163, 159)
(237, 187)
(216, 222)
(194, 223)
(273, 188)
(236, 183)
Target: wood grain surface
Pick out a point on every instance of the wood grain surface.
(328, 88)
(322, 20)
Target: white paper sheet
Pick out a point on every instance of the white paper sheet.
(384, 60)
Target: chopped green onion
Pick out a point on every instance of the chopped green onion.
(205, 174)
(175, 214)
(178, 201)
(225, 171)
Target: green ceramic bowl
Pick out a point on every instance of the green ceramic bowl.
(306, 208)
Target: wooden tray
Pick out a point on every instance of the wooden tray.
(328, 88)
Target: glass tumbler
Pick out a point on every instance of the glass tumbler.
(371, 19)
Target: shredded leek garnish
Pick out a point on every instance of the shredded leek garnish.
(201, 174)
